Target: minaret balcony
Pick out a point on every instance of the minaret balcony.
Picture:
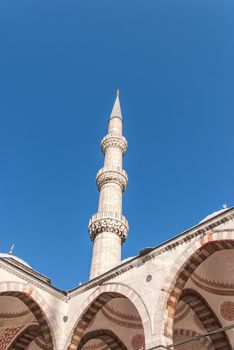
(112, 175)
(116, 141)
(108, 222)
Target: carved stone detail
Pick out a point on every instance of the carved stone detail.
(114, 174)
(108, 222)
(112, 140)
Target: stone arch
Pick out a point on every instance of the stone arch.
(207, 317)
(27, 294)
(186, 333)
(25, 337)
(101, 296)
(108, 337)
(183, 267)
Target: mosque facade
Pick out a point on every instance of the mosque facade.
(182, 289)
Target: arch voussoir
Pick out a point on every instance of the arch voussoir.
(97, 300)
(25, 337)
(207, 317)
(107, 336)
(36, 305)
(198, 252)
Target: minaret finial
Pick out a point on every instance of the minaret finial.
(11, 250)
(117, 93)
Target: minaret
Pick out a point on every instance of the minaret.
(108, 228)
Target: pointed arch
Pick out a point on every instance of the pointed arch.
(207, 317)
(194, 255)
(37, 312)
(25, 337)
(107, 336)
(100, 298)
(186, 333)
(27, 294)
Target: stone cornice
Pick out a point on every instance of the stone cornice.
(112, 140)
(28, 269)
(30, 278)
(200, 229)
(108, 222)
(186, 236)
(114, 175)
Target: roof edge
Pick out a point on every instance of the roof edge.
(190, 233)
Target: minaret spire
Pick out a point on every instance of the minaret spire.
(108, 228)
(116, 111)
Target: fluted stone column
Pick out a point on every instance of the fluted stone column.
(108, 228)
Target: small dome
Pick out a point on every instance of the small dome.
(125, 260)
(212, 215)
(13, 257)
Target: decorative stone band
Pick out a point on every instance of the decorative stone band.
(112, 140)
(115, 116)
(108, 222)
(113, 174)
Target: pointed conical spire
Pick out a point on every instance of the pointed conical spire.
(116, 111)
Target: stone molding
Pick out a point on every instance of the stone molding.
(9, 315)
(108, 222)
(8, 267)
(209, 287)
(213, 283)
(115, 116)
(121, 322)
(201, 230)
(123, 315)
(112, 140)
(113, 174)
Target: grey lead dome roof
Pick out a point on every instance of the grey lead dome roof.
(10, 256)
(212, 215)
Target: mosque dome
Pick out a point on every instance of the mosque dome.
(8, 256)
(215, 213)
(126, 259)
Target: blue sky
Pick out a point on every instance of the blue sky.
(60, 65)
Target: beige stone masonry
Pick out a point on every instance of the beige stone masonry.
(108, 228)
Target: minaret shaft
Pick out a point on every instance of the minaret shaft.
(113, 158)
(110, 199)
(106, 253)
(115, 126)
(108, 228)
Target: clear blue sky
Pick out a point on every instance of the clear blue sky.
(60, 64)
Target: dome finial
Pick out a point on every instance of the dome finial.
(11, 250)
(117, 93)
